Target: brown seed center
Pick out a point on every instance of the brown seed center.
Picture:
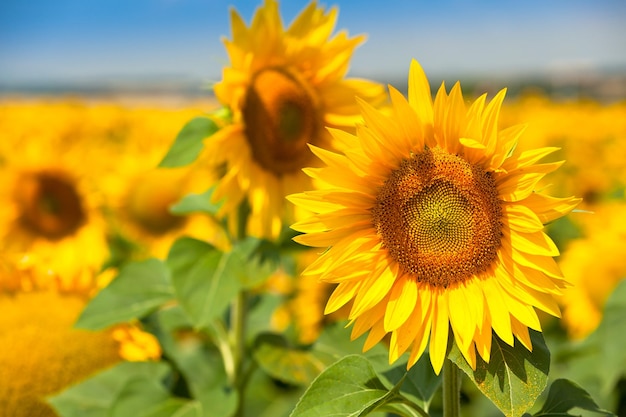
(280, 118)
(439, 217)
(49, 204)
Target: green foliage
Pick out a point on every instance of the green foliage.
(288, 364)
(565, 395)
(206, 280)
(514, 377)
(188, 143)
(199, 363)
(144, 397)
(139, 289)
(98, 395)
(350, 387)
(420, 382)
(598, 362)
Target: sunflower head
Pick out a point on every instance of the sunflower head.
(434, 222)
(41, 353)
(283, 86)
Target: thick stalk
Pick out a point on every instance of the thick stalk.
(238, 320)
(451, 390)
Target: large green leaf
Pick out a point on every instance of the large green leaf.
(143, 397)
(199, 363)
(514, 377)
(196, 203)
(138, 290)
(188, 143)
(288, 364)
(95, 396)
(206, 280)
(348, 388)
(565, 395)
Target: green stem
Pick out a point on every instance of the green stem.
(238, 320)
(451, 390)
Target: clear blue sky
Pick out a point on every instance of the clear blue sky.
(92, 40)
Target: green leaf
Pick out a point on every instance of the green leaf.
(514, 377)
(95, 396)
(565, 395)
(348, 388)
(138, 290)
(289, 365)
(196, 203)
(188, 142)
(206, 280)
(143, 397)
(199, 363)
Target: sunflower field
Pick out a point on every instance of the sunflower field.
(304, 243)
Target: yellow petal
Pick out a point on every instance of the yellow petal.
(439, 332)
(402, 302)
(420, 96)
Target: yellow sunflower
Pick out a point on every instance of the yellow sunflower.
(51, 204)
(138, 196)
(40, 352)
(283, 87)
(434, 223)
(605, 238)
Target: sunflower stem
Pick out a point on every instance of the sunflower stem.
(451, 390)
(238, 320)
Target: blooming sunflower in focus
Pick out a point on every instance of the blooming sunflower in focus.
(41, 353)
(434, 225)
(283, 86)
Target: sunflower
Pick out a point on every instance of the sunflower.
(433, 223)
(51, 203)
(138, 195)
(282, 87)
(40, 351)
(605, 238)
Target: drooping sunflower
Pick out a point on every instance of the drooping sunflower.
(41, 353)
(282, 87)
(139, 195)
(432, 222)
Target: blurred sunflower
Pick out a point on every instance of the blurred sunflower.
(138, 196)
(283, 87)
(305, 298)
(605, 238)
(51, 210)
(40, 351)
(433, 222)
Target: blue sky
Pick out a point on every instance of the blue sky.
(95, 40)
